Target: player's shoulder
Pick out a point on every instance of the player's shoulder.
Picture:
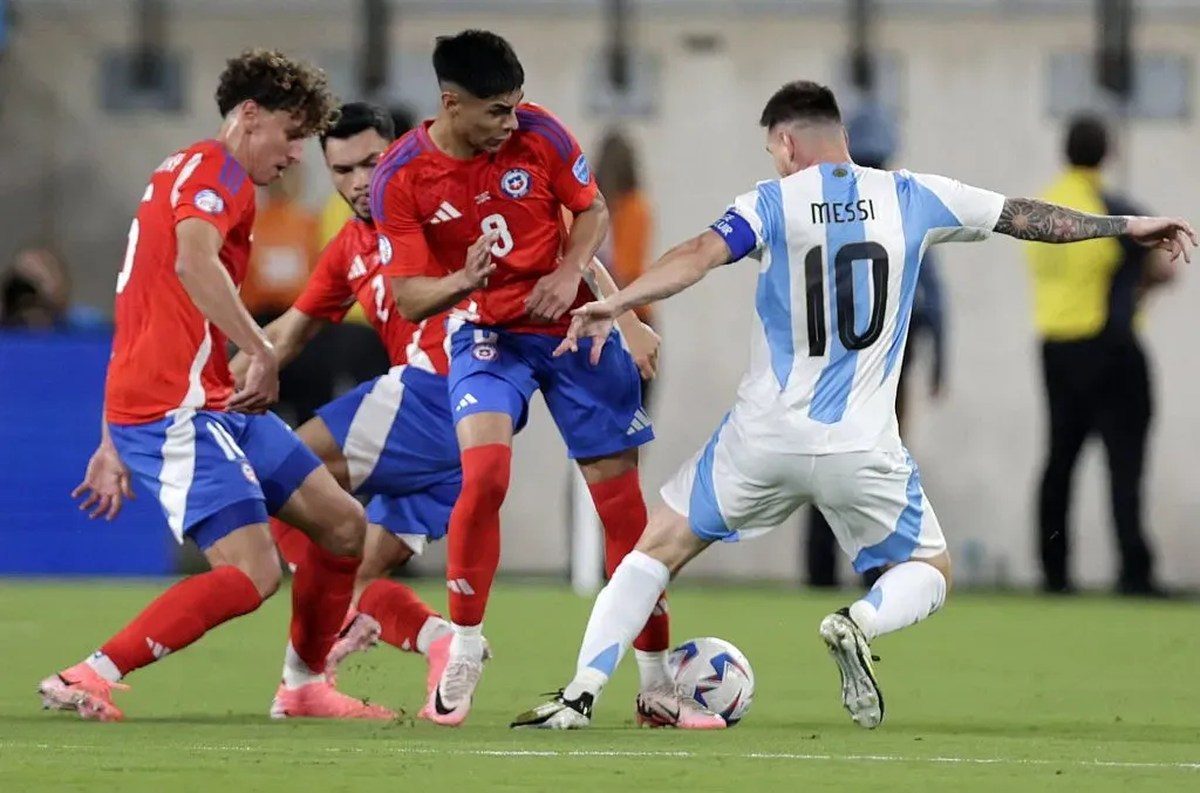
(355, 241)
(915, 188)
(215, 162)
(356, 236)
(541, 129)
(409, 152)
(400, 165)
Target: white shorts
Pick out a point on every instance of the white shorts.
(873, 500)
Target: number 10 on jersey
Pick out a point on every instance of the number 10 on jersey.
(842, 295)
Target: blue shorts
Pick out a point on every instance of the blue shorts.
(398, 439)
(215, 472)
(598, 409)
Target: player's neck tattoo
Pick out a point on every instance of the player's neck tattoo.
(1039, 221)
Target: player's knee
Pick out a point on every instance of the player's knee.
(942, 564)
(602, 469)
(485, 486)
(669, 539)
(376, 564)
(265, 571)
(346, 529)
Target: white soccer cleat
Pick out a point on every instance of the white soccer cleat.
(559, 713)
(450, 700)
(861, 696)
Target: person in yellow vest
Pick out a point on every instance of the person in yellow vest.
(1088, 299)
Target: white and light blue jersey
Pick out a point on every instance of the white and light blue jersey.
(840, 248)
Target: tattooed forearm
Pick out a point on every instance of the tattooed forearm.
(589, 278)
(1030, 219)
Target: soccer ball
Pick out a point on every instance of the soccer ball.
(716, 674)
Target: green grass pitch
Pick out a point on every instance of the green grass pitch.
(994, 694)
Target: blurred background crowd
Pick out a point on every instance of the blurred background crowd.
(1018, 355)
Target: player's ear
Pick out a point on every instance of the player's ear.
(251, 114)
(450, 101)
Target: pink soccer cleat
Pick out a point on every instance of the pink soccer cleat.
(322, 701)
(360, 634)
(83, 690)
(667, 707)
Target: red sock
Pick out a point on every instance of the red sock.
(322, 589)
(622, 512)
(473, 545)
(399, 611)
(181, 615)
(293, 543)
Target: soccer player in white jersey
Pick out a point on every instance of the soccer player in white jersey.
(839, 248)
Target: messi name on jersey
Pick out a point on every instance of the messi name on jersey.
(854, 212)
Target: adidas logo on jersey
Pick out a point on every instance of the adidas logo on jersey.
(465, 402)
(358, 268)
(445, 212)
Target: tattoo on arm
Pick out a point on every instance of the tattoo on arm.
(589, 278)
(1040, 221)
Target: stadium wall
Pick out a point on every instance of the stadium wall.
(975, 107)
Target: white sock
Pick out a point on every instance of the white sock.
(904, 595)
(433, 629)
(102, 665)
(296, 673)
(620, 612)
(653, 669)
(467, 641)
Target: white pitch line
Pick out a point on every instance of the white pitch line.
(665, 755)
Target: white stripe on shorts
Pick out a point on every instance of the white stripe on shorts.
(371, 425)
(178, 468)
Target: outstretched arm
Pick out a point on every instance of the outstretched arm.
(677, 269)
(642, 340)
(1041, 221)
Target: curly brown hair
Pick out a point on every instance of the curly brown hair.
(276, 82)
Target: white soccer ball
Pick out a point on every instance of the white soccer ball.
(716, 674)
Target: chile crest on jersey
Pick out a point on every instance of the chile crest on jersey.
(515, 183)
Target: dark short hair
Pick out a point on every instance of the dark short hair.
(1087, 141)
(274, 81)
(356, 117)
(403, 119)
(802, 100)
(480, 62)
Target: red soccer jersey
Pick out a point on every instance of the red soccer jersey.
(349, 270)
(166, 355)
(430, 207)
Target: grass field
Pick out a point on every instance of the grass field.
(996, 694)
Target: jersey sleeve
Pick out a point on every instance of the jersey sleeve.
(951, 210)
(211, 186)
(403, 249)
(741, 227)
(328, 294)
(570, 175)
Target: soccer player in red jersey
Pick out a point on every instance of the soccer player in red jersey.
(217, 462)
(469, 209)
(391, 437)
